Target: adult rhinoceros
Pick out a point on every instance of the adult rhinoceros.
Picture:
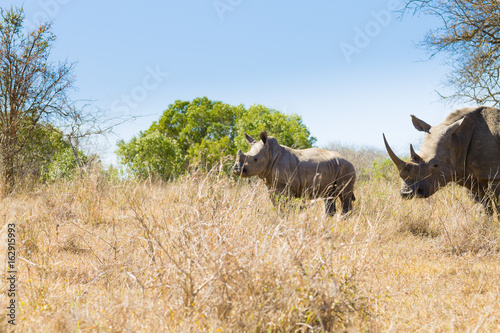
(465, 149)
(312, 173)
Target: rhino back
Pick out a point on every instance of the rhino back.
(492, 119)
(317, 169)
(460, 113)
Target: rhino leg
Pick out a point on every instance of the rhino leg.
(487, 197)
(489, 206)
(346, 199)
(347, 195)
(330, 206)
(490, 203)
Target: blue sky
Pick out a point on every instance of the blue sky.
(350, 69)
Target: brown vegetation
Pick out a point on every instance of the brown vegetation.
(206, 253)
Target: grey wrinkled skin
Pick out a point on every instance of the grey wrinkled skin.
(464, 149)
(312, 173)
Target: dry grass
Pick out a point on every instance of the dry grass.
(205, 253)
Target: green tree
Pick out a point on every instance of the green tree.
(45, 141)
(63, 164)
(288, 129)
(201, 133)
(47, 155)
(151, 153)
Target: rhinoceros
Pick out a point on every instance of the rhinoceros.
(311, 173)
(464, 149)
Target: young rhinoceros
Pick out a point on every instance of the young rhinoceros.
(311, 173)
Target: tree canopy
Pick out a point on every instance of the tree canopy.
(201, 133)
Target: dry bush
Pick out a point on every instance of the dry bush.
(207, 253)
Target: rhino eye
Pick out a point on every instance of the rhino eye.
(255, 159)
(435, 166)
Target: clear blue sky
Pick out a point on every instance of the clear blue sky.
(350, 70)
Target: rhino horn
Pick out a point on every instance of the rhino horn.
(399, 162)
(414, 156)
(251, 141)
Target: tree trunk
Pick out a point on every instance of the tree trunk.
(8, 173)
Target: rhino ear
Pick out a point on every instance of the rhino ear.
(263, 137)
(420, 125)
(250, 140)
(456, 125)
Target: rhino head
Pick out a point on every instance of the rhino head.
(436, 163)
(256, 160)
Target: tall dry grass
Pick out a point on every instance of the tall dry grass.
(207, 253)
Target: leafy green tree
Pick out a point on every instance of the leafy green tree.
(47, 155)
(288, 129)
(152, 153)
(64, 164)
(201, 133)
(38, 152)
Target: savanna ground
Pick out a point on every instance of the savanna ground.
(208, 253)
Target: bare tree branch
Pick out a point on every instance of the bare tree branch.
(470, 38)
